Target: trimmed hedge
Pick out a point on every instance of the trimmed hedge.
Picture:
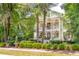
(75, 46)
(46, 46)
(31, 44)
(26, 44)
(61, 46)
(36, 45)
(54, 46)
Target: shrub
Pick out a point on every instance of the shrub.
(26, 44)
(11, 42)
(29, 44)
(22, 44)
(75, 46)
(2, 44)
(54, 46)
(62, 46)
(37, 45)
(68, 47)
(55, 42)
(46, 46)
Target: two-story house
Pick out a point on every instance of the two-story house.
(53, 27)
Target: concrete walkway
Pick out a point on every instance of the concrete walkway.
(26, 49)
(42, 50)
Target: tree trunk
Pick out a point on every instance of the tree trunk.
(44, 20)
(6, 28)
(5, 31)
(37, 20)
(7, 22)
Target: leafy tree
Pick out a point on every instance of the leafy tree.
(15, 21)
(72, 14)
(36, 12)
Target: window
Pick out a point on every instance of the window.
(48, 25)
(56, 24)
(56, 34)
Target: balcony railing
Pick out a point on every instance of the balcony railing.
(50, 28)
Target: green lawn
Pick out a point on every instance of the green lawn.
(27, 53)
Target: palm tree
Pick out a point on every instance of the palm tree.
(37, 13)
(45, 7)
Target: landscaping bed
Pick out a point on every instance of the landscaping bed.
(47, 46)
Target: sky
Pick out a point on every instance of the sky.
(58, 8)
